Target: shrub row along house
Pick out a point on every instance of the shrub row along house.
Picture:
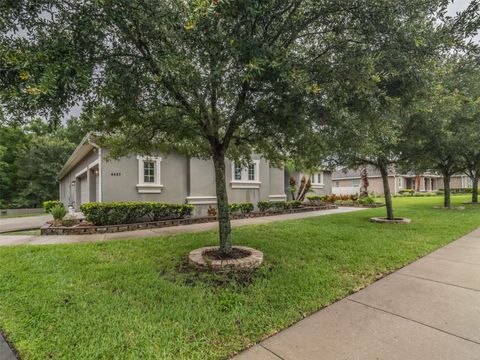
(89, 176)
(349, 182)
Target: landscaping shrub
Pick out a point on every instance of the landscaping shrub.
(458, 190)
(244, 207)
(272, 205)
(58, 212)
(408, 192)
(367, 200)
(294, 204)
(263, 205)
(315, 199)
(50, 204)
(331, 198)
(114, 213)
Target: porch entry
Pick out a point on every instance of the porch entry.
(87, 186)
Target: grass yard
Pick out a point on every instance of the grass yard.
(136, 299)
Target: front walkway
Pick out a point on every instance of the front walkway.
(64, 239)
(427, 310)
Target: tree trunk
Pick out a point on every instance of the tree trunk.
(386, 191)
(475, 189)
(446, 191)
(222, 202)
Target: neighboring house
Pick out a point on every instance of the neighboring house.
(88, 176)
(349, 182)
(321, 182)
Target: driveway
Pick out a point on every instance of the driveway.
(23, 223)
(429, 309)
(65, 239)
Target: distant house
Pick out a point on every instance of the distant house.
(349, 181)
(88, 176)
(321, 182)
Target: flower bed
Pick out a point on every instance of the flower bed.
(49, 229)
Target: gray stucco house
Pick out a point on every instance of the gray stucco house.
(321, 182)
(87, 176)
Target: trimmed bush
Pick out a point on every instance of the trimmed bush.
(332, 198)
(458, 190)
(264, 206)
(244, 207)
(406, 192)
(58, 212)
(294, 204)
(366, 201)
(49, 204)
(115, 213)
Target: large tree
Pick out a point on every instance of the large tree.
(208, 78)
(383, 89)
(466, 84)
(433, 134)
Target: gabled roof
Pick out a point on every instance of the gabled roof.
(85, 146)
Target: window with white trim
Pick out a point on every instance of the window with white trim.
(356, 182)
(249, 173)
(237, 169)
(399, 182)
(317, 178)
(148, 171)
(149, 179)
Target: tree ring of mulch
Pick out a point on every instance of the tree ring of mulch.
(382, 220)
(449, 208)
(210, 259)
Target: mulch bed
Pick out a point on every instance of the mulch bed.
(218, 255)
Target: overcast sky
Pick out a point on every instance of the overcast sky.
(454, 8)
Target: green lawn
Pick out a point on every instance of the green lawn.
(136, 299)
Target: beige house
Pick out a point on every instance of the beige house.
(349, 182)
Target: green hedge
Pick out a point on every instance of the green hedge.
(278, 205)
(458, 190)
(114, 213)
(50, 204)
(244, 207)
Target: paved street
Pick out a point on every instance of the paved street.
(427, 310)
(65, 239)
(23, 223)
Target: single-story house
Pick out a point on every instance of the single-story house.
(348, 181)
(89, 176)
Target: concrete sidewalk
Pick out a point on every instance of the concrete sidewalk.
(427, 310)
(6, 240)
(23, 223)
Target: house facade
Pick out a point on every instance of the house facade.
(349, 182)
(321, 182)
(88, 175)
